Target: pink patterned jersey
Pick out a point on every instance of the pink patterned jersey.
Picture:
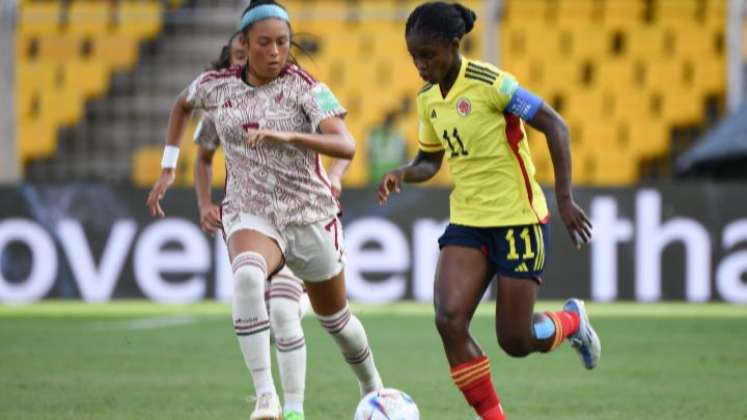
(283, 183)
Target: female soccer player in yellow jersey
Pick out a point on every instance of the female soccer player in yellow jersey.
(472, 112)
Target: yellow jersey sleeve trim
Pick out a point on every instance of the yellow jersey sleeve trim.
(427, 147)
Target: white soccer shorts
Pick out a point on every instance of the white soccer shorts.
(313, 252)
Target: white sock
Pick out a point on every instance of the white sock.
(289, 340)
(304, 305)
(350, 336)
(250, 319)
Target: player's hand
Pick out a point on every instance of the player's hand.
(390, 183)
(210, 218)
(336, 185)
(255, 137)
(156, 194)
(575, 221)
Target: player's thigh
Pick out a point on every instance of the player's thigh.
(315, 255)
(515, 305)
(250, 233)
(462, 276)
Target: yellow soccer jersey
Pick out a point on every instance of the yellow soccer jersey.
(486, 148)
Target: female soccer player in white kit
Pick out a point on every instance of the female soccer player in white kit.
(274, 121)
(286, 299)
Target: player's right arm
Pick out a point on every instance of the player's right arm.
(206, 137)
(209, 212)
(422, 168)
(426, 163)
(180, 114)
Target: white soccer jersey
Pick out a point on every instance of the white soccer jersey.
(281, 182)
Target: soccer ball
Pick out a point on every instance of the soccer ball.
(387, 404)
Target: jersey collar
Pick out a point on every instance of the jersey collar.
(457, 82)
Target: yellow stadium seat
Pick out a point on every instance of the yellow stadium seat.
(40, 18)
(25, 106)
(36, 140)
(715, 17)
(90, 78)
(118, 52)
(676, 10)
(590, 41)
(146, 165)
(585, 104)
(61, 106)
(562, 75)
(665, 75)
(615, 74)
(59, 48)
(615, 169)
(645, 42)
(577, 11)
(710, 75)
(682, 107)
(649, 138)
(633, 105)
(623, 13)
(26, 47)
(693, 42)
(36, 76)
(139, 19)
(89, 18)
(524, 11)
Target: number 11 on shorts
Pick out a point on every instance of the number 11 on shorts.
(528, 252)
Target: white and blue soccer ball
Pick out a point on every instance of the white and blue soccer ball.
(387, 404)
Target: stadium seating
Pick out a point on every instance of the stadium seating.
(625, 74)
(66, 53)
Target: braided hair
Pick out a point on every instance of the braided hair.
(447, 21)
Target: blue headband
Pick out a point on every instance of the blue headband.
(266, 11)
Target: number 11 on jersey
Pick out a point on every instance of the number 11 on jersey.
(454, 152)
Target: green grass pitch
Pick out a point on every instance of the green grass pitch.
(135, 360)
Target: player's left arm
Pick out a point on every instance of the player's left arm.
(334, 139)
(552, 125)
(336, 171)
(509, 97)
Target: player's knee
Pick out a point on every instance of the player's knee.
(249, 282)
(284, 313)
(450, 322)
(515, 345)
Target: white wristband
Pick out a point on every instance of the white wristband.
(170, 156)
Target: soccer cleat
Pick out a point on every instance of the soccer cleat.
(293, 415)
(267, 408)
(585, 341)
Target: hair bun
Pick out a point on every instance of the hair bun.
(468, 15)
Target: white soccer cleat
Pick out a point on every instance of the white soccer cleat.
(585, 341)
(267, 408)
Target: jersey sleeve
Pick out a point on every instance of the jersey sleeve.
(201, 93)
(319, 103)
(508, 96)
(206, 135)
(427, 139)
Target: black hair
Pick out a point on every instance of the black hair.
(444, 20)
(224, 59)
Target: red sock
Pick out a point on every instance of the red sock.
(566, 324)
(473, 379)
